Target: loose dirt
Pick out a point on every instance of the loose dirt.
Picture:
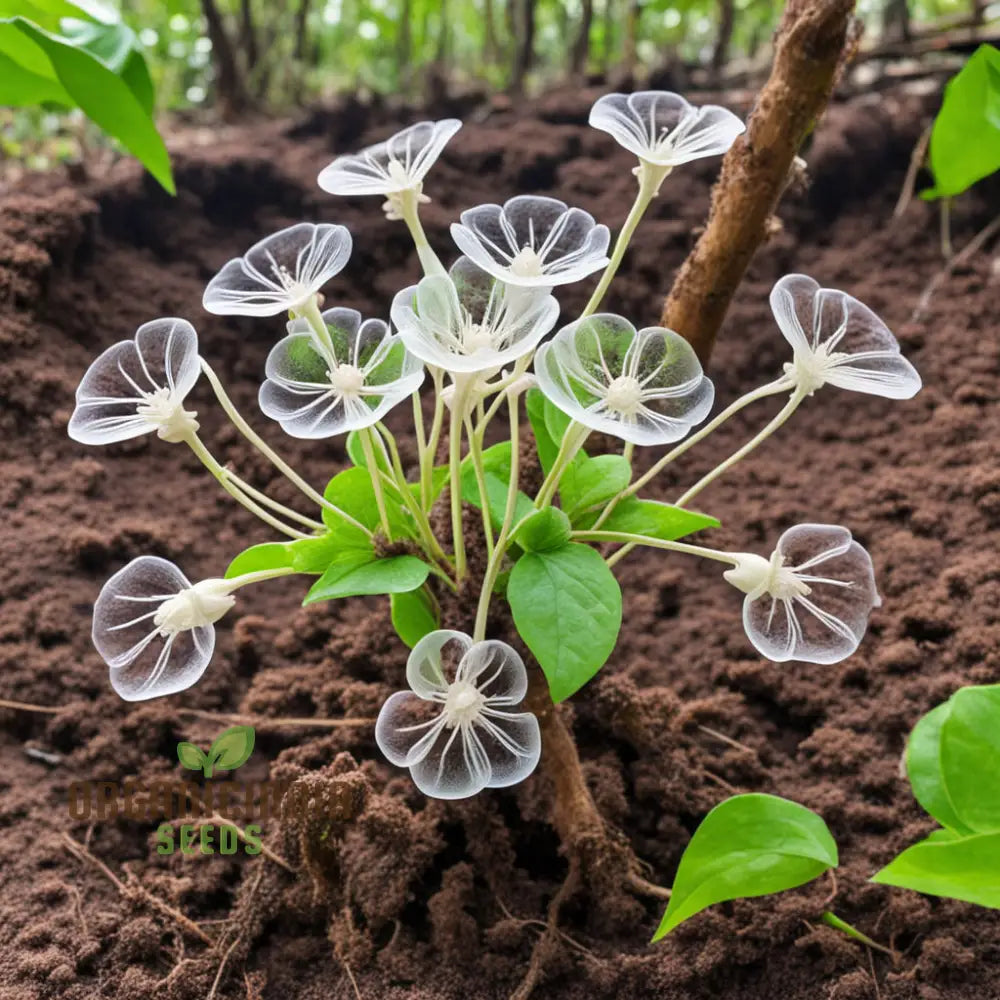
(404, 898)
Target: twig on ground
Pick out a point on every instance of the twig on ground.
(962, 257)
(646, 888)
(135, 888)
(268, 722)
(24, 706)
(723, 738)
(910, 181)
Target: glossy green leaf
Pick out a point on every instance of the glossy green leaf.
(544, 530)
(355, 577)
(269, 555)
(923, 766)
(413, 615)
(965, 137)
(231, 749)
(496, 478)
(593, 481)
(970, 757)
(966, 868)
(99, 92)
(117, 47)
(352, 491)
(545, 445)
(749, 845)
(567, 607)
(651, 519)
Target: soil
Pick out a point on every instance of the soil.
(399, 897)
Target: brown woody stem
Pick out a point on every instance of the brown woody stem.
(809, 47)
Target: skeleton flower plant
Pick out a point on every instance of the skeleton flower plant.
(554, 521)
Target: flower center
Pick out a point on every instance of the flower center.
(624, 394)
(782, 583)
(810, 368)
(173, 422)
(397, 173)
(462, 704)
(476, 337)
(527, 264)
(346, 379)
(203, 604)
(297, 292)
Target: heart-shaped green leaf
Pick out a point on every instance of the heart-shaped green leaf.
(593, 481)
(413, 615)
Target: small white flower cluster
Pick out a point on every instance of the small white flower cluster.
(480, 324)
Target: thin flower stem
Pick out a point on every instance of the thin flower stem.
(477, 464)
(365, 436)
(648, 187)
(496, 559)
(771, 389)
(269, 453)
(458, 404)
(431, 544)
(657, 543)
(258, 577)
(420, 433)
(572, 442)
(430, 453)
(779, 418)
(310, 312)
(206, 458)
(278, 508)
(410, 211)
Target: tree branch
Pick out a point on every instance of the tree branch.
(809, 47)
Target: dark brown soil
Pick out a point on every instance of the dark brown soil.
(437, 901)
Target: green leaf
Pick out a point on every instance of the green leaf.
(20, 87)
(191, 756)
(102, 95)
(117, 47)
(413, 615)
(355, 577)
(593, 481)
(230, 749)
(269, 555)
(749, 845)
(651, 519)
(567, 607)
(544, 530)
(965, 137)
(546, 447)
(966, 868)
(923, 766)
(496, 478)
(352, 491)
(970, 757)
(356, 452)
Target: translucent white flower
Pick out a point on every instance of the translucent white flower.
(532, 241)
(664, 129)
(391, 167)
(317, 388)
(840, 341)
(644, 386)
(281, 272)
(811, 600)
(456, 731)
(138, 386)
(468, 321)
(155, 630)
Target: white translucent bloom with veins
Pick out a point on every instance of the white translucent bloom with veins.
(664, 129)
(317, 388)
(533, 241)
(456, 730)
(279, 273)
(812, 599)
(839, 341)
(391, 167)
(138, 386)
(468, 321)
(644, 386)
(155, 630)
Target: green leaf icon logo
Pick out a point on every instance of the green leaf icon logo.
(229, 751)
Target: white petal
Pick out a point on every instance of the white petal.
(497, 671)
(280, 271)
(367, 173)
(405, 725)
(512, 743)
(792, 300)
(454, 765)
(710, 131)
(142, 663)
(433, 662)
